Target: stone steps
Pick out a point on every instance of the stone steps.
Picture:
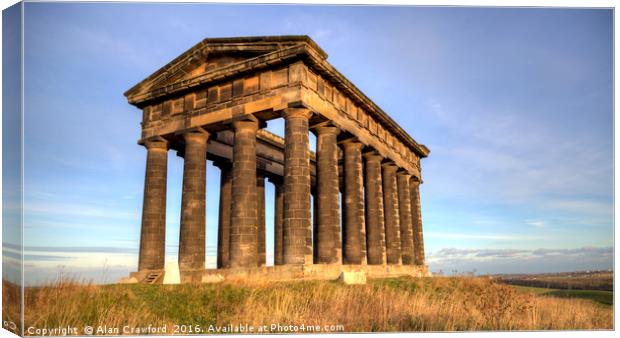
(152, 278)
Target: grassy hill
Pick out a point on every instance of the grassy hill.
(403, 304)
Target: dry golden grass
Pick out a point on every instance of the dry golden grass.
(404, 304)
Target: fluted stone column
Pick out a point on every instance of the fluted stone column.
(260, 195)
(153, 230)
(297, 226)
(418, 237)
(328, 246)
(193, 202)
(278, 215)
(404, 204)
(243, 230)
(354, 220)
(223, 229)
(375, 229)
(392, 218)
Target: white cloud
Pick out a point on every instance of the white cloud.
(536, 223)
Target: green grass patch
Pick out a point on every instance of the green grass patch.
(602, 297)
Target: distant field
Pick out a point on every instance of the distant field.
(387, 305)
(582, 280)
(602, 297)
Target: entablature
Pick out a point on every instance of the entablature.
(191, 91)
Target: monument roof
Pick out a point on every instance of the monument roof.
(258, 52)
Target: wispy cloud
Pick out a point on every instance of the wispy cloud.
(536, 223)
(521, 260)
(462, 235)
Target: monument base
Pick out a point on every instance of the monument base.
(305, 272)
(290, 273)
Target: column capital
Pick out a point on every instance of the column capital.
(373, 156)
(403, 173)
(245, 125)
(156, 143)
(390, 166)
(195, 135)
(296, 112)
(352, 144)
(327, 129)
(414, 181)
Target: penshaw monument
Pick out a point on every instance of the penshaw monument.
(212, 103)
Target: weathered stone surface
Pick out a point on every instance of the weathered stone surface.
(243, 230)
(418, 237)
(353, 277)
(392, 218)
(128, 280)
(260, 211)
(406, 230)
(354, 241)
(193, 207)
(223, 229)
(297, 227)
(269, 152)
(278, 232)
(375, 226)
(172, 275)
(310, 272)
(153, 230)
(328, 245)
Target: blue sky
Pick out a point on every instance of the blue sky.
(515, 105)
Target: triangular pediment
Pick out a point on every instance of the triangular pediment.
(215, 53)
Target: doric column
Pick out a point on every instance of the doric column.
(278, 214)
(375, 230)
(297, 226)
(193, 201)
(354, 220)
(153, 230)
(404, 204)
(223, 228)
(243, 230)
(418, 238)
(328, 246)
(392, 218)
(260, 211)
